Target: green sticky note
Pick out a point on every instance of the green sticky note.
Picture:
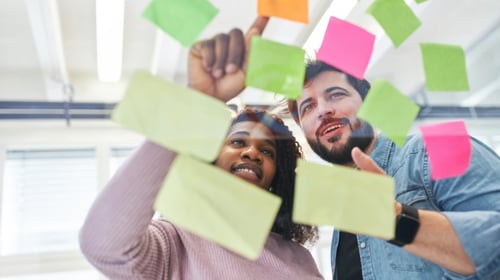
(350, 200)
(444, 67)
(276, 67)
(181, 19)
(217, 206)
(420, 1)
(389, 110)
(174, 116)
(396, 18)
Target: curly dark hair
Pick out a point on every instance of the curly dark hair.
(288, 150)
(316, 67)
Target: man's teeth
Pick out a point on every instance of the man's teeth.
(332, 128)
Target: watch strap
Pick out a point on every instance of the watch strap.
(407, 224)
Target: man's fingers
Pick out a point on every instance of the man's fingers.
(236, 52)
(221, 49)
(365, 162)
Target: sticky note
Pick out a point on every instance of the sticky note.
(276, 67)
(448, 147)
(181, 19)
(174, 116)
(350, 200)
(296, 10)
(389, 110)
(396, 18)
(217, 206)
(444, 67)
(347, 47)
(420, 1)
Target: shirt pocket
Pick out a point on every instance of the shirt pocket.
(403, 264)
(417, 197)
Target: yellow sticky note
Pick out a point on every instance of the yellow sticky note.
(444, 67)
(276, 67)
(389, 110)
(181, 19)
(396, 18)
(174, 116)
(350, 200)
(217, 206)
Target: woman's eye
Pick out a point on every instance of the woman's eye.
(268, 153)
(238, 142)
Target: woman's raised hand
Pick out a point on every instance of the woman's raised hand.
(217, 66)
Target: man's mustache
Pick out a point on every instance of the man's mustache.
(343, 121)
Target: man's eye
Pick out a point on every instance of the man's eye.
(335, 95)
(306, 108)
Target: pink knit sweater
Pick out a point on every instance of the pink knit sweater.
(120, 239)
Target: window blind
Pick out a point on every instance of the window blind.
(46, 196)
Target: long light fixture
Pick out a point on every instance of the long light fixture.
(109, 30)
(44, 20)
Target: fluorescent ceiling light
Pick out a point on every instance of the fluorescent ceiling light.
(109, 30)
(44, 20)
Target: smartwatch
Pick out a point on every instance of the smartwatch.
(407, 224)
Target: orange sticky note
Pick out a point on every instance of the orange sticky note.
(347, 47)
(296, 10)
(448, 147)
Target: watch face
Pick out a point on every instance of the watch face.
(407, 229)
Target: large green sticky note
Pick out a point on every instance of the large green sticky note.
(396, 18)
(174, 116)
(217, 206)
(444, 67)
(276, 67)
(183, 20)
(350, 200)
(389, 110)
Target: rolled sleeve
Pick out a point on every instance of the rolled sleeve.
(479, 233)
(471, 203)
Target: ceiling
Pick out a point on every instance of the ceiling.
(48, 47)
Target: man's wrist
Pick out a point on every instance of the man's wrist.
(398, 208)
(407, 225)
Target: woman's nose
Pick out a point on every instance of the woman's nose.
(252, 153)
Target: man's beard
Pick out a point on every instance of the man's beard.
(361, 137)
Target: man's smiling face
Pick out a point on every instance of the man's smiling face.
(327, 112)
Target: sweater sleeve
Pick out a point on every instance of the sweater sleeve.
(118, 236)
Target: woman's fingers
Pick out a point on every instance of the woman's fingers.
(207, 52)
(236, 51)
(227, 53)
(257, 28)
(221, 53)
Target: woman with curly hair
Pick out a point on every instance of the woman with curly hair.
(120, 238)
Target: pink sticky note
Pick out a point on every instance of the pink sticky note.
(448, 147)
(347, 47)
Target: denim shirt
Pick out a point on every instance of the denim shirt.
(471, 203)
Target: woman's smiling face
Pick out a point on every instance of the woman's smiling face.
(249, 152)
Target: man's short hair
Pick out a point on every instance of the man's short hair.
(316, 67)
